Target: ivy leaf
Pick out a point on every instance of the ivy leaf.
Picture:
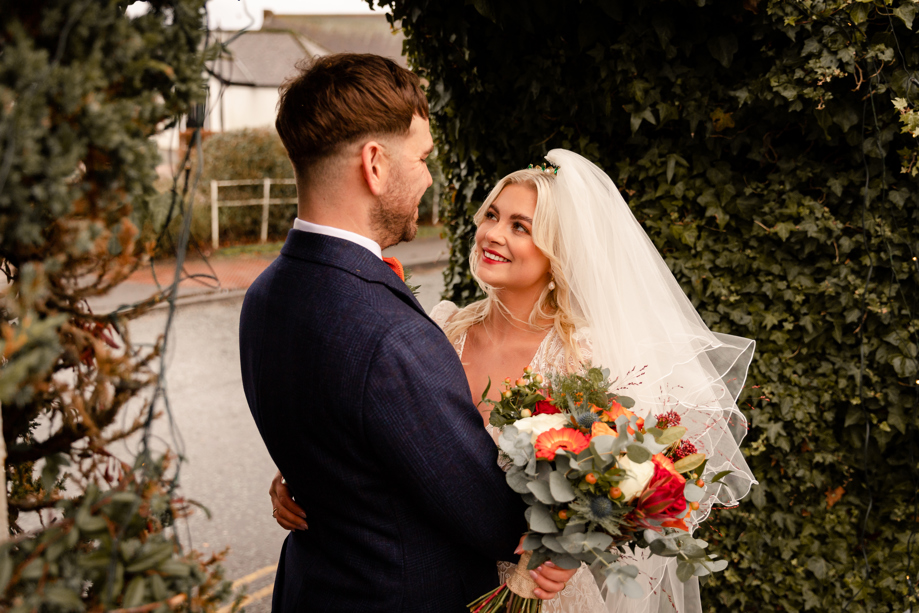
(723, 48)
(906, 12)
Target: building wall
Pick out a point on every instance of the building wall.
(241, 107)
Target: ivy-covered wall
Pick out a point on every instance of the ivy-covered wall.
(769, 150)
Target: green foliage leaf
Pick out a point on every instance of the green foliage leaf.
(638, 453)
(560, 487)
(542, 491)
(540, 520)
(688, 463)
(670, 435)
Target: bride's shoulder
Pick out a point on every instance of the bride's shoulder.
(442, 312)
(582, 335)
(583, 339)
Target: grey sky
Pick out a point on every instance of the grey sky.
(235, 14)
(231, 14)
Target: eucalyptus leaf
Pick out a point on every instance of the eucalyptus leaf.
(539, 556)
(542, 491)
(552, 542)
(518, 480)
(693, 492)
(560, 487)
(565, 561)
(685, 571)
(531, 542)
(540, 520)
(638, 453)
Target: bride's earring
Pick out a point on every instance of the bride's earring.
(551, 285)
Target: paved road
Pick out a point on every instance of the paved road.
(227, 468)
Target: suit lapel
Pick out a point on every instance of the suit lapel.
(349, 257)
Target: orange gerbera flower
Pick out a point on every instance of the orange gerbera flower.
(550, 441)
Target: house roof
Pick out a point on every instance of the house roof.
(344, 33)
(263, 58)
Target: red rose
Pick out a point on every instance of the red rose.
(544, 407)
(663, 497)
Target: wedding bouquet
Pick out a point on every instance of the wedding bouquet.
(595, 480)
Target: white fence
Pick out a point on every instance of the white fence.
(265, 201)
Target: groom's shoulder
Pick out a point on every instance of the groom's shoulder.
(349, 288)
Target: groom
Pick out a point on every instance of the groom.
(358, 395)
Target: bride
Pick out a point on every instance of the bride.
(570, 277)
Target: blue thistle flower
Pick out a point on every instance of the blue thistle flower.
(586, 420)
(601, 507)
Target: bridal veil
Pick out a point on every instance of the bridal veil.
(646, 331)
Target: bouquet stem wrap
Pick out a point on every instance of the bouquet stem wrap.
(520, 582)
(515, 596)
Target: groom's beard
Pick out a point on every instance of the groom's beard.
(393, 219)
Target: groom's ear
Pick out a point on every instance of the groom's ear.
(374, 166)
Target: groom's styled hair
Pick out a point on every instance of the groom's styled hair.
(338, 99)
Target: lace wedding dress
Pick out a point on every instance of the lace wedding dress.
(582, 594)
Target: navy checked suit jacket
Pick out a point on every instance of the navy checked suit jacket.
(365, 409)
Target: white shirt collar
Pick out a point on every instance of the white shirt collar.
(367, 243)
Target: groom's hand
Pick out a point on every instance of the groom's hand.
(551, 580)
(285, 511)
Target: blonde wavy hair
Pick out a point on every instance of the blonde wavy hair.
(555, 304)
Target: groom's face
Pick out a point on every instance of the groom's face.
(408, 179)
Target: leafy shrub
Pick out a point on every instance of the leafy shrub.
(245, 154)
(768, 149)
(82, 89)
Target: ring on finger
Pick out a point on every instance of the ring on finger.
(274, 511)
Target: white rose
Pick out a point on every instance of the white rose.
(637, 477)
(538, 424)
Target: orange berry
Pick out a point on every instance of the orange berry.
(528, 369)
(700, 483)
(520, 382)
(694, 506)
(538, 379)
(505, 394)
(591, 478)
(507, 381)
(615, 492)
(563, 514)
(525, 413)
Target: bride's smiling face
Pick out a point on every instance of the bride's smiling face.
(508, 258)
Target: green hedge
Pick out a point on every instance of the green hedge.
(245, 154)
(743, 135)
